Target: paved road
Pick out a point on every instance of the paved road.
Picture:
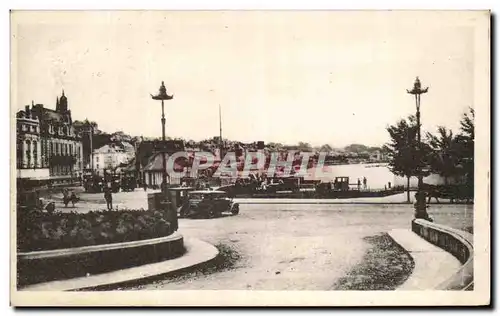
(287, 247)
(301, 247)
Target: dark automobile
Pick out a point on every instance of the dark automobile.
(208, 204)
(277, 184)
(93, 183)
(128, 183)
(113, 181)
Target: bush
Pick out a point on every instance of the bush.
(38, 230)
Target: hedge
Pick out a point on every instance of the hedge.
(39, 230)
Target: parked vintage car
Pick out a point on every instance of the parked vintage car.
(178, 196)
(93, 183)
(128, 183)
(208, 204)
(281, 184)
(112, 180)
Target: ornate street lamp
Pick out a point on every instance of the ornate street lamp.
(420, 205)
(162, 95)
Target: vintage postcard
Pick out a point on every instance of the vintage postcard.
(250, 158)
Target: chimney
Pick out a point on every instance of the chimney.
(27, 110)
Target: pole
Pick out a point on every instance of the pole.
(420, 205)
(220, 134)
(420, 209)
(164, 173)
(162, 95)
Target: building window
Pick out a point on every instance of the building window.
(51, 148)
(57, 148)
(19, 153)
(35, 154)
(44, 153)
(28, 154)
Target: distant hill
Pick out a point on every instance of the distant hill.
(359, 148)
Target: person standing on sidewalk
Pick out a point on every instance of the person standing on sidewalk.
(364, 183)
(108, 196)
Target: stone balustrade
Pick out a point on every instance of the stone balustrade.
(458, 243)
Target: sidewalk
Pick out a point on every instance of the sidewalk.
(197, 252)
(433, 265)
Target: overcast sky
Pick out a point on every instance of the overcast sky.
(320, 77)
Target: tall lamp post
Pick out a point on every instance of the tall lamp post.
(162, 95)
(420, 205)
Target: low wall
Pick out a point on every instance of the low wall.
(43, 266)
(314, 195)
(458, 243)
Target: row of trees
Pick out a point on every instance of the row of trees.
(446, 154)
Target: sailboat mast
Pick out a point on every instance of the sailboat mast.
(220, 123)
(220, 132)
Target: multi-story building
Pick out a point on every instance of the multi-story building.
(47, 146)
(111, 156)
(149, 161)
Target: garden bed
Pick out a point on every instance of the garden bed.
(67, 245)
(43, 231)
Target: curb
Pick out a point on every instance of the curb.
(433, 265)
(197, 252)
(175, 236)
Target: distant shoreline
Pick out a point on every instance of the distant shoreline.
(367, 164)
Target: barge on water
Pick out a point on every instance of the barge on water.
(289, 189)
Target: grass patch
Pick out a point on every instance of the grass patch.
(385, 266)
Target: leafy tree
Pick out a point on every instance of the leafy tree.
(403, 150)
(302, 146)
(120, 136)
(326, 148)
(465, 142)
(467, 125)
(85, 126)
(356, 148)
(444, 157)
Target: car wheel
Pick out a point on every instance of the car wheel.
(235, 210)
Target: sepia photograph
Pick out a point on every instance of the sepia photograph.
(250, 158)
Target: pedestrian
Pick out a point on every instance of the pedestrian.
(364, 183)
(389, 185)
(66, 197)
(359, 184)
(74, 198)
(108, 196)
